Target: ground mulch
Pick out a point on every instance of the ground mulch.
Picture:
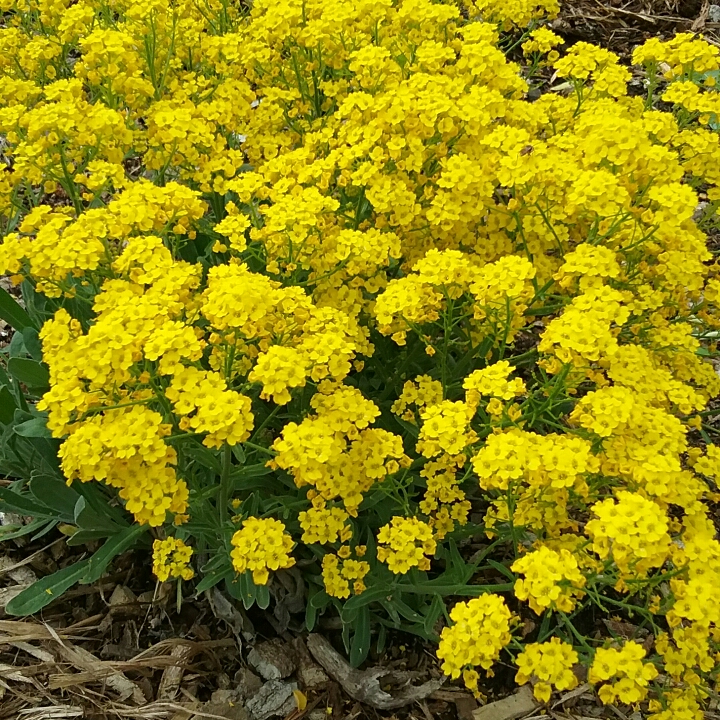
(127, 647)
(621, 25)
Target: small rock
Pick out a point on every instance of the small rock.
(311, 676)
(274, 698)
(509, 708)
(699, 211)
(309, 673)
(226, 704)
(123, 604)
(247, 683)
(223, 696)
(272, 659)
(714, 13)
(122, 595)
(223, 681)
(317, 714)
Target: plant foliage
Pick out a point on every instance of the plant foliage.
(348, 287)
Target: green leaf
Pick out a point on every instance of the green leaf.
(412, 430)
(44, 591)
(262, 596)
(369, 596)
(82, 537)
(35, 428)
(502, 569)
(460, 590)
(360, 645)
(12, 312)
(49, 525)
(457, 562)
(210, 580)
(406, 611)
(113, 546)
(80, 508)
(382, 639)
(433, 614)
(98, 501)
(31, 338)
(311, 614)
(17, 346)
(320, 599)
(242, 588)
(251, 471)
(392, 612)
(30, 372)
(56, 495)
(239, 453)
(87, 518)
(7, 405)
(204, 456)
(40, 454)
(248, 589)
(10, 532)
(317, 601)
(22, 504)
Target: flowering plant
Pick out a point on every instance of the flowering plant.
(318, 289)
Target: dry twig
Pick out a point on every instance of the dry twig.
(364, 685)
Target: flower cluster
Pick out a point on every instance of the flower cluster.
(342, 573)
(259, 546)
(421, 392)
(171, 559)
(335, 451)
(551, 664)
(406, 543)
(632, 529)
(625, 667)
(339, 267)
(552, 579)
(324, 525)
(480, 630)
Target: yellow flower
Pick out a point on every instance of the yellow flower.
(405, 543)
(493, 382)
(171, 558)
(480, 630)
(551, 664)
(552, 580)
(261, 545)
(341, 573)
(630, 675)
(324, 525)
(631, 530)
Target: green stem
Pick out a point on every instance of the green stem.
(104, 408)
(260, 448)
(181, 436)
(575, 633)
(225, 483)
(70, 187)
(264, 423)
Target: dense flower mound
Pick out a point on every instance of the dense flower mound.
(331, 286)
